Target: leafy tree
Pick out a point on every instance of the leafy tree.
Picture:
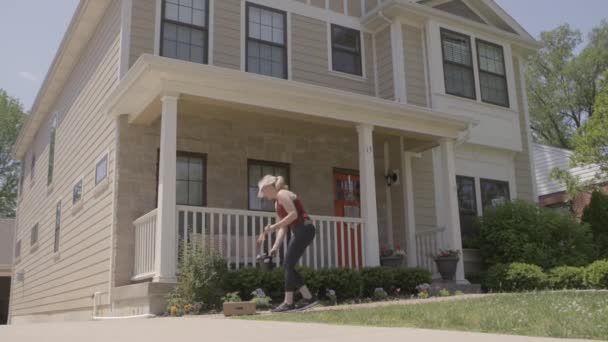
(562, 86)
(11, 118)
(596, 215)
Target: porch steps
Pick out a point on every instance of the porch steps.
(438, 285)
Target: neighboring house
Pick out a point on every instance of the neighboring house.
(552, 193)
(157, 118)
(7, 232)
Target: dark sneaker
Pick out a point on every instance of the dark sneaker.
(283, 308)
(305, 304)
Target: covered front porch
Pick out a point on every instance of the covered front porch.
(337, 146)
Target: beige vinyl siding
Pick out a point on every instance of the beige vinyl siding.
(84, 134)
(370, 5)
(459, 8)
(523, 168)
(227, 34)
(414, 65)
(336, 5)
(385, 65)
(424, 191)
(309, 56)
(143, 20)
(354, 8)
(318, 3)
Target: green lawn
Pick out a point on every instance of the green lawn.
(551, 314)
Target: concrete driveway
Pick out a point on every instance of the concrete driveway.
(218, 329)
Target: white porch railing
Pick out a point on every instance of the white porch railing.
(339, 241)
(233, 234)
(428, 242)
(145, 246)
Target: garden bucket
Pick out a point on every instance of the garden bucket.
(265, 262)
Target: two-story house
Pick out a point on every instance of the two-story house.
(396, 121)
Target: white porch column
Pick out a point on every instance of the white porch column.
(450, 203)
(166, 233)
(369, 211)
(410, 218)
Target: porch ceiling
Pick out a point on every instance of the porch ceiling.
(151, 77)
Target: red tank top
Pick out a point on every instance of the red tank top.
(302, 214)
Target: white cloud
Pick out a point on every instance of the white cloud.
(28, 76)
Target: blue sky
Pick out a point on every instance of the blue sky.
(31, 30)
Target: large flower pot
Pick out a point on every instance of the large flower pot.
(447, 267)
(395, 261)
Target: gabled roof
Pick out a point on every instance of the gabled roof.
(546, 158)
(482, 11)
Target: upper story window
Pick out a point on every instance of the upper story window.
(266, 41)
(346, 50)
(21, 177)
(57, 227)
(458, 64)
(185, 33)
(34, 235)
(52, 149)
(257, 169)
(33, 166)
(492, 73)
(18, 249)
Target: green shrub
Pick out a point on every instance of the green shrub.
(523, 232)
(596, 275)
(347, 284)
(566, 277)
(515, 277)
(232, 297)
(444, 293)
(201, 280)
(596, 215)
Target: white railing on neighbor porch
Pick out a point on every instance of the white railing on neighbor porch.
(339, 241)
(233, 234)
(428, 242)
(145, 246)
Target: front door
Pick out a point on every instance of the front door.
(347, 203)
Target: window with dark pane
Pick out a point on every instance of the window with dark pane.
(185, 30)
(494, 192)
(34, 235)
(21, 177)
(77, 192)
(33, 166)
(57, 227)
(457, 64)
(18, 249)
(190, 179)
(51, 168)
(266, 41)
(346, 50)
(492, 74)
(256, 170)
(467, 205)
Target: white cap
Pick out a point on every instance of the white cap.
(264, 182)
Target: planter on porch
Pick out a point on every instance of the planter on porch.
(392, 261)
(447, 263)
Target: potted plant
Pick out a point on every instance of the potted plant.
(392, 257)
(447, 262)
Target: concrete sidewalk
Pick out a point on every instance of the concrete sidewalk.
(210, 329)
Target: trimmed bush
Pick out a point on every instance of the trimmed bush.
(596, 215)
(566, 277)
(596, 275)
(348, 284)
(523, 232)
(515, 277)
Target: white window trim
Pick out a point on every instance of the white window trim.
(437, 73)
(288, 45)
(330, 57)
(78, 205)
(210, 29)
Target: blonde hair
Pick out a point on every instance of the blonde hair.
(280, 183)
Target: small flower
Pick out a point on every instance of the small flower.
(173, 309)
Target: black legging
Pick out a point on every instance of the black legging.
(301, 238)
